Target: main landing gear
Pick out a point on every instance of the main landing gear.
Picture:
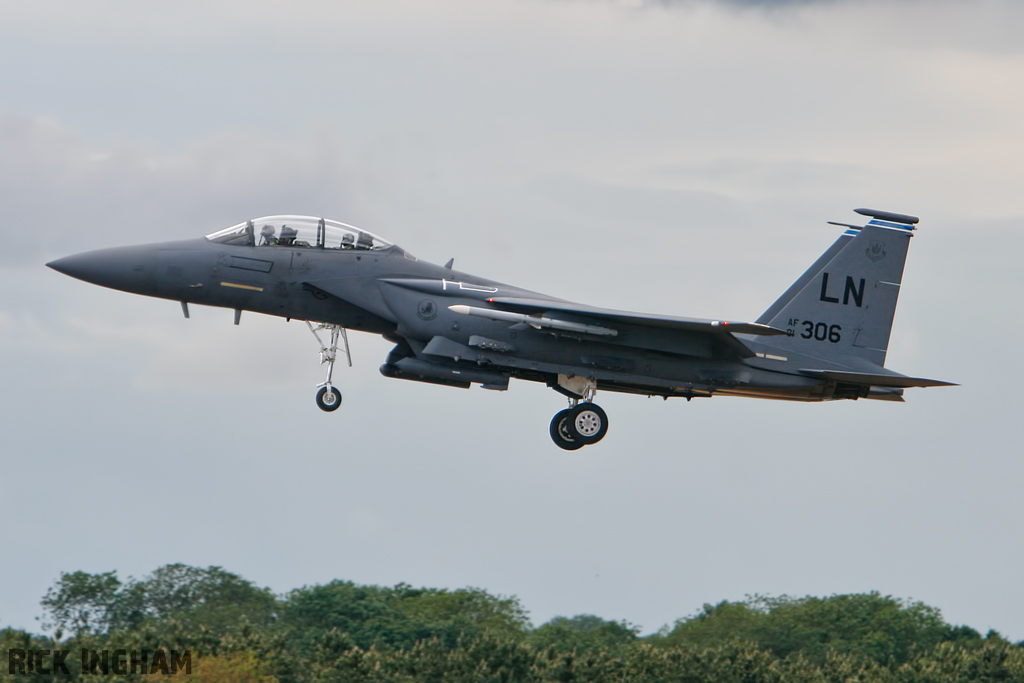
(328, 398)
(579, 426)
(582, 423)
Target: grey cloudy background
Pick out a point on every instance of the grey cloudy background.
(673, 157)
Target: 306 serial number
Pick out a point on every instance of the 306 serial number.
(818, 331)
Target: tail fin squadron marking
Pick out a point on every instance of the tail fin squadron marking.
(842, 307)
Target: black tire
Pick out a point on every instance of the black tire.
(561, 431)
(328, 399)
(588, 423)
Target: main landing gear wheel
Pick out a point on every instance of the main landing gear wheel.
(328, 398)
(562, 432)
(588, 423)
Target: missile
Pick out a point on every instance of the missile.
(533, 321)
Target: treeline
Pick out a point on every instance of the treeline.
(237, 632)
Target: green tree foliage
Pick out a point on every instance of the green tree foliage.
(175, 598)
(236, 667)
(82, 603)
(398, 617)
(584, 632)
(496, 660)
(343, 632)
(880, 628)
(463, 612)
(210, 598)
(22, 640)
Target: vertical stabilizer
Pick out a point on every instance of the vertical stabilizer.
(842, 307)
(808, 275)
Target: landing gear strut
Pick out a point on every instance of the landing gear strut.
(328, 398)
(582, 423)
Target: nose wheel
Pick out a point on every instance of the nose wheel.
(581, 425)
(328, 398)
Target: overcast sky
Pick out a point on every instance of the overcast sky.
(672, 157)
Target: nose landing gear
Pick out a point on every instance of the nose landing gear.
(328, 398)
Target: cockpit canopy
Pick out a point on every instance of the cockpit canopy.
(298, 231)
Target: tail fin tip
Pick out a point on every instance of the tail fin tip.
(889, 216)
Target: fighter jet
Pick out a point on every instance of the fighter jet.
(824, 339)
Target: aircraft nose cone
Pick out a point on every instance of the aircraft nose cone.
(130, 269)
(75, 266)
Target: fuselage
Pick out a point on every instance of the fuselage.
(824, 338)
(389, 292)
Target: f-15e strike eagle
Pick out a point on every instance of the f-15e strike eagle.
(824, 339)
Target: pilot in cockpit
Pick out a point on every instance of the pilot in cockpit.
(287, 235)
(348, 241)
(267, 235)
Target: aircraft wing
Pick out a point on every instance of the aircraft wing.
(608, 315)
(876, 380)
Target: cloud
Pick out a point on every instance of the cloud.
(61, 194)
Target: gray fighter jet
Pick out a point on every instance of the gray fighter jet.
(824, 339)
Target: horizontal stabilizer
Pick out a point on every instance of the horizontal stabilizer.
(876, 380)
(629, 318)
